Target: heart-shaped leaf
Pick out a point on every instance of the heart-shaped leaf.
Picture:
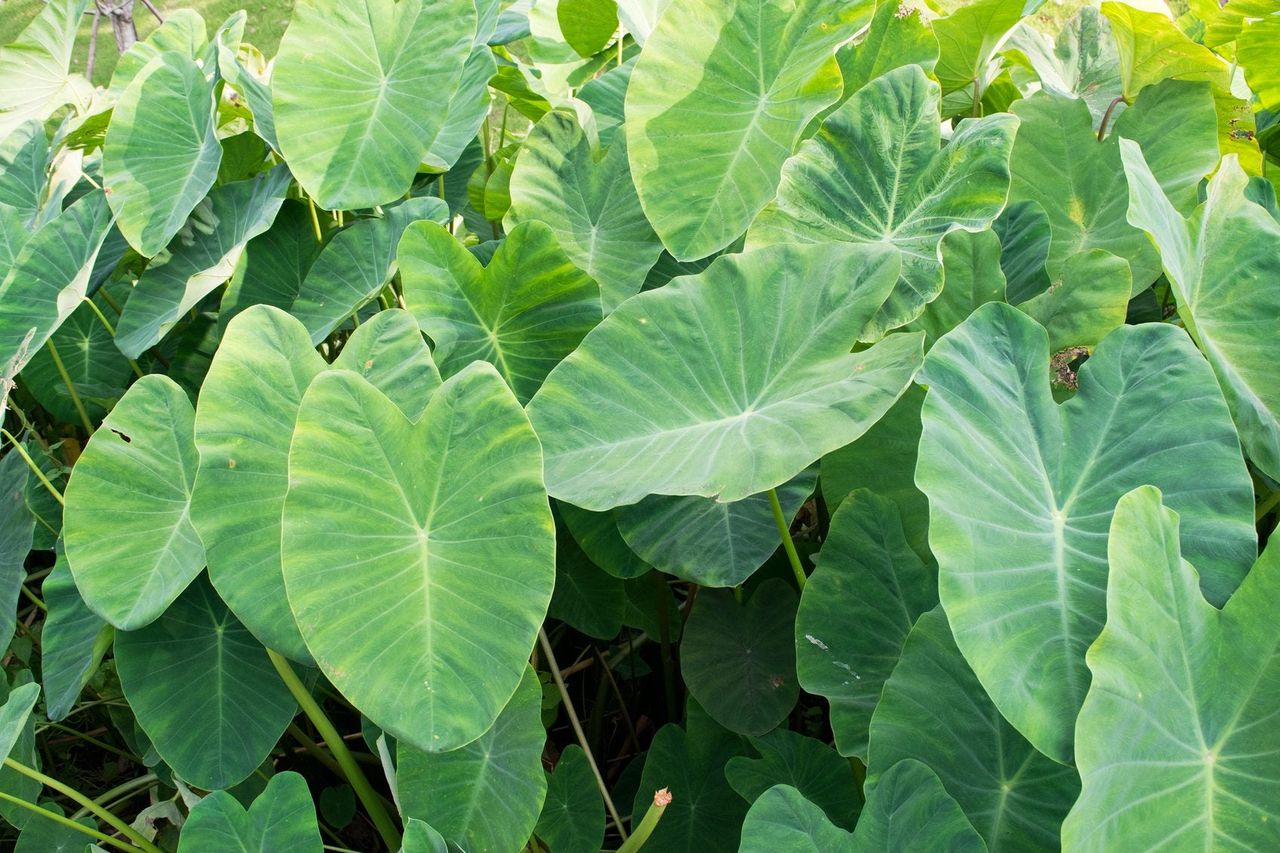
(972, 276)
(572, 819)
(282, 817)
(1151, 48)
(805, 763)
(661, 397)
(128, 532)
(1089, 299)
(1021, 493)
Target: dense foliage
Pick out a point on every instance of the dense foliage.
(558, 425)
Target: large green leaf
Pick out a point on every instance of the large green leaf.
(586, 597)
(1081, 62)
(485, 796)
(1079, 182)
(806, 763)
(739, 661)
(48, 279)
(972, 276)
(72, 642)
(1256, 53)
(969, 37)
(855, 612)
(663, 398)
(934, 710)
(523, 312)
(1151, 48)
(35, 69)
(706, 148)
(243, 427)
(203, 690)
(572, 819)
(282, 817)
(876, 174)
(897, 36)
(1089, 299)
(24, 157)
(183, 31)
(361, 87)
(706, 541)
(1021, 493)
(14, 715)
(47, 836)
(468, 109)
(1221, 267)
(200, 259)
(598, 536)
(590, 203)
(18, 741)
(275, 264)
(161, 153)
(17, 531)
(453, 564)
(356, 264)
(129, 538)
(1176, 737)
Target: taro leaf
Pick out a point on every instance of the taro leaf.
(884, 461)
(809, 765)
(908, 809)
(572, 819)
(213, 732)
(14, 715)
(1152, 48)
(243, 428)
(361, 87)
(1222, 266)
(183, 31)
(934, 710)
(708, 542)
(875, 174)
(861, 601)
(72, 642)
(466, 112)
(281, 818)
(24, 156)
(14, 232)
(1025, 236)
(17, 531)
(48, 279)
(639, 17)
(589, 599)
(18, 741)
(897, 36)
(706, 149)
(356, 264)
(590, 203)
(739, 661)
(606, 95)
(1089, 300)
(200, 259)
(35, 67)
(161, 153)
(43, 505)
(972, 276)
(705, 814)
(587, 25)
(486, 795)
(662, 398)
(422, 837)
(598, 536)
(1021, 493)
(129, 539)
(275, 264)
(968, 39)
(1082, 62)
(1176, 737)
(453, 563)
(1079, 182)
(1256, 53)
(99, 372)
(47, 836)
(523, 313)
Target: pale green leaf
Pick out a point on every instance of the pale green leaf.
(281, 818)
(1089, 300)
(35, 78)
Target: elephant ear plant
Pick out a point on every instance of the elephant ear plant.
(581, 425)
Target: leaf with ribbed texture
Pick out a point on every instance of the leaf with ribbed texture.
(934, 710)
(485, 796)
(1088, 300)
(598, 536)
(590, 203)
(356, 264)
(523, 312)
(1021, 493)
(433, 535)
(200, 259)
(1081, 62)
(1256, 53)
(706, 149)
(48, 279)
(72, 643)
(1222, 266)
(161, 153)
(572, 819)
(244, 424)
(867, 591)
(17, 531)
(897, 36)
(24, 155)
(808, 764)
(183, 31)
(1176, 740)
(275, 264)
(129, 538)
(467, 110)
(1152, 48)
(98, 370)
(876, 174)
(282, 817)
(708, 542)
(1079, 182)
(213, 732)
(971, 277)
(35, 79)
(361, 87)
(662, 398)
(14, 715)
(969, 37)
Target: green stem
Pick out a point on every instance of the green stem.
(22, 451)
(131, 787)
(95, 742)
(337, 746)
(68, 822)
(106, 324)
(71, 386)
(1106, 116)
(788, 545)
(578, 732)
(95, 809)
(33, 598)
(977, 99)
(661, 799)
(315, 220)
